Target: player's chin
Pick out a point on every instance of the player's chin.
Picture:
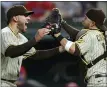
(83, 23)
(24, 30)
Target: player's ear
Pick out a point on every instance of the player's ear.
(92, 24)
(15, 18)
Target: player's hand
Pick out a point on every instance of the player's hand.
(41, 33)
(61, 49)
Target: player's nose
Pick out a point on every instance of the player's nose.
(28, 17)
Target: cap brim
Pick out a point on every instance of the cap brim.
(29, 13)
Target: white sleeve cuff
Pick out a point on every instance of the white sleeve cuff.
(68, 45)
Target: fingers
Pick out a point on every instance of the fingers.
(55, 9)
(61, 49)
(41, 33)
(46, 31)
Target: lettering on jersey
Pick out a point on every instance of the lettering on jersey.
(100, 38)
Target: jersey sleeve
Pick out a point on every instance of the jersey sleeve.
(84, 44)
(6, 41)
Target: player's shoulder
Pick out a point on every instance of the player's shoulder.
(22, 36)
(5, 29)
(91, 32)
(95, 31)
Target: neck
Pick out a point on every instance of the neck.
(13, 28)
(94, 27)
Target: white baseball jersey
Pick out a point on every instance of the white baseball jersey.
(10, 67)
(92, 45)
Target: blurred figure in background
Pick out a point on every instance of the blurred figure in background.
(7, 4)
(69, 9)
(23, 81)
(41, 9)
(86, 5)
(22, 77)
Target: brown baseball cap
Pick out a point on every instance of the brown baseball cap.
(18, 10)
(96, 15)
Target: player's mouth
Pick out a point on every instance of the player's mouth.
(26, 23)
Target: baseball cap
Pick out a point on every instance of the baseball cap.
(18, 10)
(96, 15)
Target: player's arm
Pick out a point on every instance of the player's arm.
(44, 54)
(79, 47)
(14, 51)
(72, 31)
(69, 46)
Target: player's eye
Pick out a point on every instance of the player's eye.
(26, 15)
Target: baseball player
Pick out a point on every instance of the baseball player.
(90, 45)
(16, 47)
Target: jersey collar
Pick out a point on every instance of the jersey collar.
(15, 31)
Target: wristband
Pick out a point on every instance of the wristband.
(68, 45)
